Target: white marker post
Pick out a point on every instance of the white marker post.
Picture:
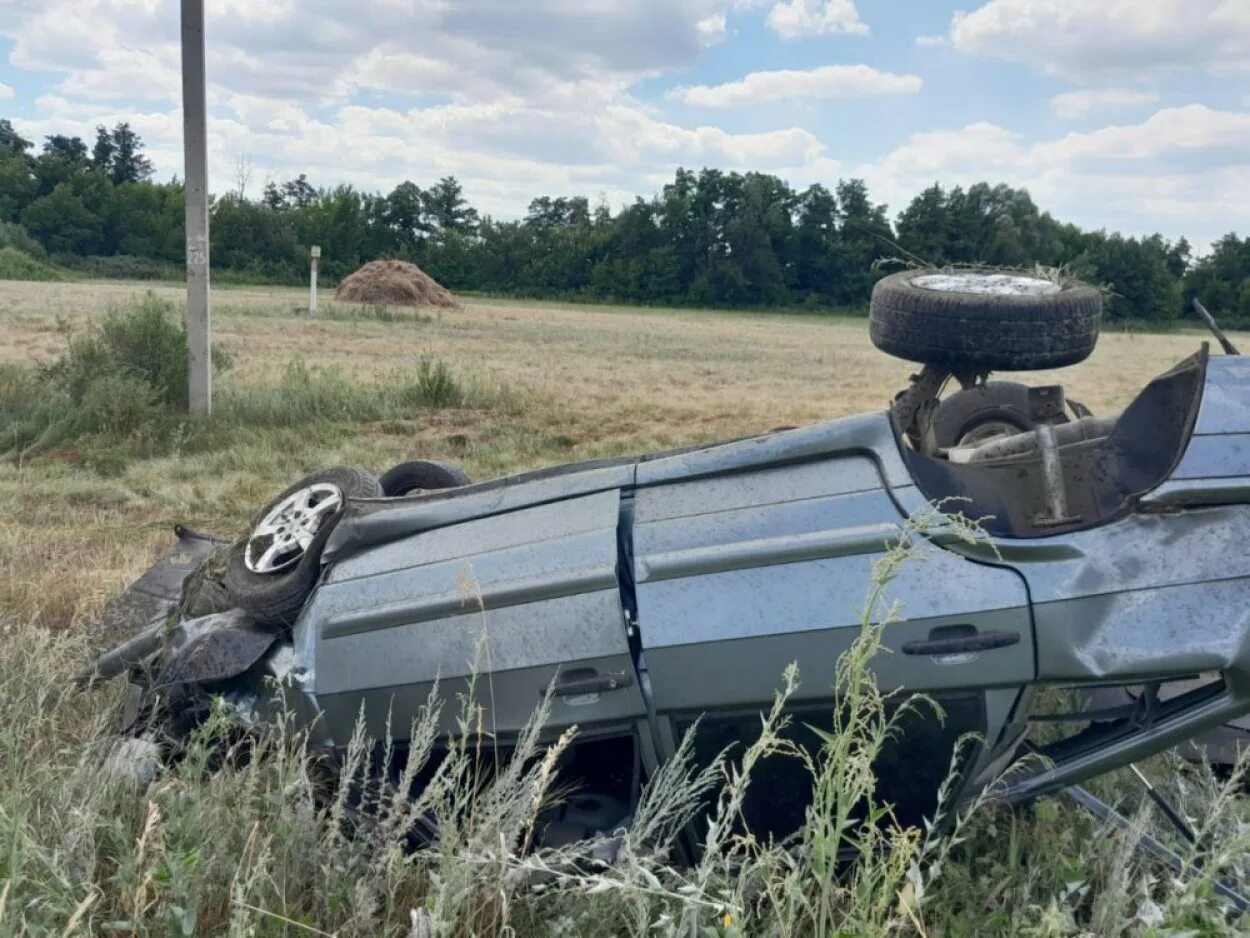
(312, 281)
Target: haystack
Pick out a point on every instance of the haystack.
(393, 283)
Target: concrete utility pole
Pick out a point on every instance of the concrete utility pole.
(195, 160)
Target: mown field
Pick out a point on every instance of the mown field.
(494, 387)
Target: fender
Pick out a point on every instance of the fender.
(214, 648)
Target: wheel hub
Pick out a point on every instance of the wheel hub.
(288, 528)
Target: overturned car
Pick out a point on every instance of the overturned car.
(650, 594)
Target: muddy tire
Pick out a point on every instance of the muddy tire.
(421, 475)
(273, 569)
(984, 320)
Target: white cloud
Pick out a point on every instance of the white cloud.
(1137, 178)
(1220, 137)
(563, 138)
(6, 93)
(514, 99)
(968, 154)
(1085, 39)
(931, 41)
(1077, 105)
(524, 99)
(982, 150)
(711, 29)
(303, 49)
(793, 19)
(829, 81)
(128, 73)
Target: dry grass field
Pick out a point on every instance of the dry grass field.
(560, 383)
(495, 387)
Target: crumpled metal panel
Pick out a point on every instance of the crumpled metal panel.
(1139, 552)
(1177, 630)
(213, 648)
(1148, 595)
(152, 597)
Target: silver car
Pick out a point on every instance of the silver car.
(648, 593)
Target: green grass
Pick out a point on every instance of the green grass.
(18, 265)
(118, 392)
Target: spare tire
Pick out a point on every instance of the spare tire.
(977, 414)
(272, 569)
(984, 320)
(421, 475)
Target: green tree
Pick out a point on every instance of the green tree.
(1221, 280)
(102, 152)
(251, 237)
(71, 148)
(405, 215)
(292, 195)
(146, 220)
(995, 225)
(1135, 271)
(128, 163)
(62, 159)
(813, 252)
(925, 227)
(17, 184)
(864, 237)
(546, 213)
(447, 208)
(11, 140)
(708, 237)
(63, 223)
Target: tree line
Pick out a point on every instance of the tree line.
(708, 238)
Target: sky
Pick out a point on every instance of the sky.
(1130, 115)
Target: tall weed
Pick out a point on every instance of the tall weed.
(17, 264)
(119, 390)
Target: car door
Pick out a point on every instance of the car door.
(738, 575)
(525, 598)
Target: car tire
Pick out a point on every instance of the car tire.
(977, 411)
(275, 597)
(421, 475)
(953, 320)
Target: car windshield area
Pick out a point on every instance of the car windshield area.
(1030, 463)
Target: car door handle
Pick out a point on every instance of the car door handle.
(588, 681)
(942, 642)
